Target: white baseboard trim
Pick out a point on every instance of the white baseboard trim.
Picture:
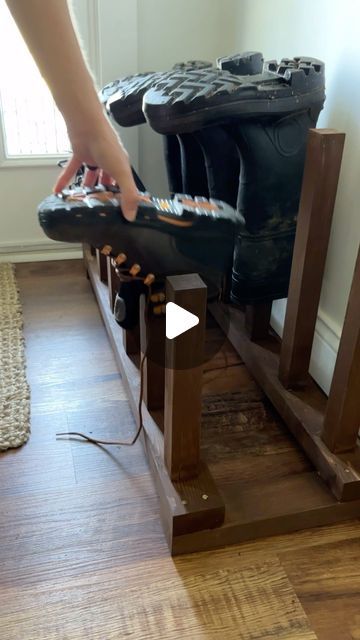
(325, 346)
(39, 251)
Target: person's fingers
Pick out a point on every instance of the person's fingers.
(129, 197)
(90, 177)
(114, 161)
(106, 151)
(129, 204)
(67, 174)
(106, 179)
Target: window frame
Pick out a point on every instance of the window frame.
(94, 58)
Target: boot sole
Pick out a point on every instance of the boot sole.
(187, 102)
(167, 237)
(123, 97)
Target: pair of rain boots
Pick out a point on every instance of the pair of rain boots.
(235, 139)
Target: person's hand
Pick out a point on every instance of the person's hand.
(61, 63)
(99, 146)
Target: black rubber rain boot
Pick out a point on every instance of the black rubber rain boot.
(272, 163)
(197, 166)
(168, 237)
(206, 174)
(127, 302)
(184, 102)
(222, 163)
(193, 168)
(267, 116)
(123, 97)
(172, 155)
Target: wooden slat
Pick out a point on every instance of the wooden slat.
(257, 319)
(196, 513)
(183, 380)
(310, 509)
(186, 507)
(342, 419)
(102, 265)
(152, 341)
(321, 175)
(128, 369)
(112, 282)
(131, 341)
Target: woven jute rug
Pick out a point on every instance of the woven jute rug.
(14, 390)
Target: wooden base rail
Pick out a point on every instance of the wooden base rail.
(209, 495)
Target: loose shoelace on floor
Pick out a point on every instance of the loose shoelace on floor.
(118, 442)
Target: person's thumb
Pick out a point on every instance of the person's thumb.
(129, 205)
(129, 197)
(67, 174)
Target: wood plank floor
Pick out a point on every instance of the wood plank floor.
(82, 552)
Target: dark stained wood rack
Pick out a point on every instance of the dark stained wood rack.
(312, 476)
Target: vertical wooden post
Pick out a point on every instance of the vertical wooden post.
(102, 265)
(257, 320)
(183, 380)
(131, 341)
(152, 342)
(342, 418)
(113, 282)
(85, 248)
(321, 175)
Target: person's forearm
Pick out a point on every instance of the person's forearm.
(49, 33)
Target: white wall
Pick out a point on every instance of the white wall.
(154, 34)
(329, 30)
(117, 53)
(176, 31)
(120, 37)
(111, 50)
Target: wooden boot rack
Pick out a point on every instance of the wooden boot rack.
(224, 501)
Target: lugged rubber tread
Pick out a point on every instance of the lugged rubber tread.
(188, 101)
(123, 97)
(242, 64)
(168, 236)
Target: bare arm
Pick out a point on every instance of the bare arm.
(47, 28)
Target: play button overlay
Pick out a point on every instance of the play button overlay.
(185, 335)
(178, 320)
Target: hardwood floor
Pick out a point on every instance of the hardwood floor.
(83, 555)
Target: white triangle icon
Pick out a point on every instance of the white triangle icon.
(178, 320)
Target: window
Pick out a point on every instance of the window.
(31, 123)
